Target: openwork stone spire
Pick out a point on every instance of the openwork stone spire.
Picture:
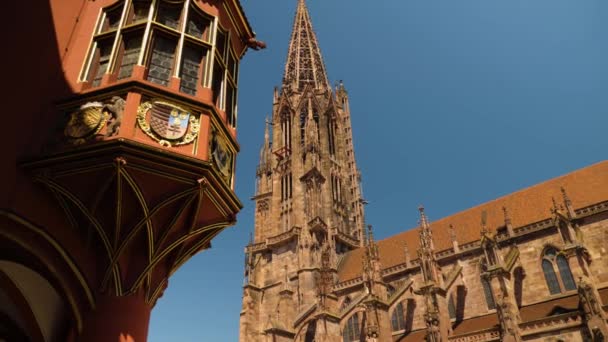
(304, 62)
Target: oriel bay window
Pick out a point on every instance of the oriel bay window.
(171, 38)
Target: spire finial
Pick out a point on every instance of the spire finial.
(508, 223)
(370, 234)
(266, 131)
(555, 207)
(424, 223)
(484, 222)
(565, 196)
(304, 61)
(452, 232)
(568, 203)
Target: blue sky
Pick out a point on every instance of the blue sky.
(453, 103)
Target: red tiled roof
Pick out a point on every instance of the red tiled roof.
(475, 324)
(414, 336)
(544, 309)
(585, 187)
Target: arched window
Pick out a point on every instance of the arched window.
(397, 319)
(171, 39)
(487, 291)
(351, 329)
(452, 307)
(556, 284)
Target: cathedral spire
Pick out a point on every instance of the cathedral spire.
(304, 62)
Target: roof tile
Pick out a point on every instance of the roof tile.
(585, 187)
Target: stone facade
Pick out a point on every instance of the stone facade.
(530, 266)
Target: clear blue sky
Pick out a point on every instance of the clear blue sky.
(453, 103)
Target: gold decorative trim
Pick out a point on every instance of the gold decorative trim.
(191, 130)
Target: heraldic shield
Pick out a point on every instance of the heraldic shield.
(167, 123)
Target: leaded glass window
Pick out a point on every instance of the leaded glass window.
(397, 318)
(451, 307)
(161, 60)
(130, 54)
(564, 281)
(550, 277)
(176, 46)
(487, 291)
(351, 329)
(565, 274)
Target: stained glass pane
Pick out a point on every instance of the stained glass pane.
(487, 291)
(192, 59)
(102, 56)
(550, 277)
(451, 307)
(169, 14)
(161, 60)
(130, 55)
(139, 11)
(564, 272)
(351, 330)
(220, 43)
(112, 18)
(198, 25)
(397, 320)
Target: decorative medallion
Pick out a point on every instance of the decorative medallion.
(92, 117)
(167, 123)
(221, 155)
(87, 121)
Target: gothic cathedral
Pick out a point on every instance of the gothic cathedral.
(529, 266)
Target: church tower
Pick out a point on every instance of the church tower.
(309, 206)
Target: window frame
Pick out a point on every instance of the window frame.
(395, 318)
(549, 258)
(353, 329)
(229, 78)
(488, 293)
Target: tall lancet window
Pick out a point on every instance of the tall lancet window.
(286, 129)
(397, 318)
(331, 134)
(451, 307)
(303, 116)
(352, 332)
(487, 292)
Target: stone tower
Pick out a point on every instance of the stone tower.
(309, 208)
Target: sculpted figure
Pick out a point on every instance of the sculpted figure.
(115, 108)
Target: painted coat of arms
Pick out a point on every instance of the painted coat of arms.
(167, 123)
(221, 155)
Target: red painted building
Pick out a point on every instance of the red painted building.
(119, 158)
